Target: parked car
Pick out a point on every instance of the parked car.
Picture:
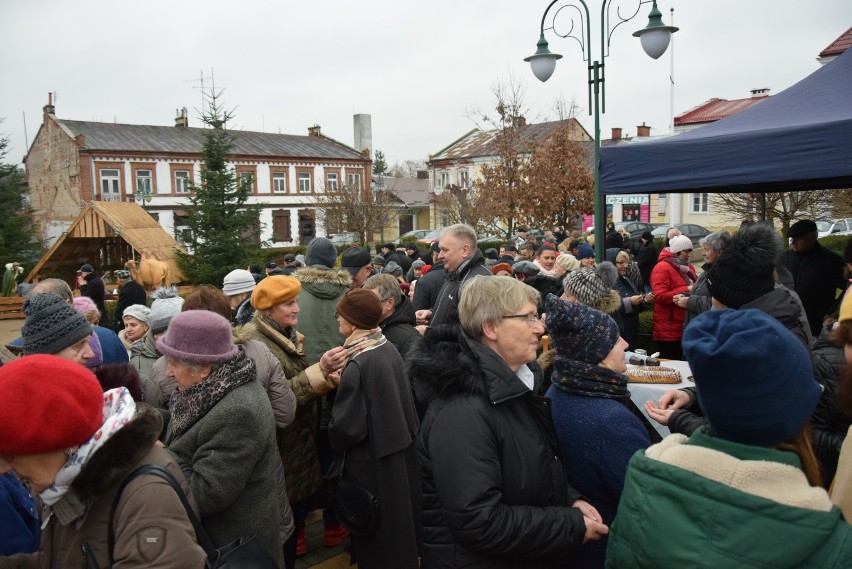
(635, 228)
(694, 232)
(414, 235)
(346, 238)
(429, 237)
(834, 227)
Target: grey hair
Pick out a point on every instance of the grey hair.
(717, 241)
(462, 232)
(487, 299)
(56, 286)
(387, 285)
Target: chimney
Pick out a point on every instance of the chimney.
(363, 130)
(314, 131)
(643, 130)
(181, 120)
(519, 121)
(759, 93)
(616, 133)
(49, 109)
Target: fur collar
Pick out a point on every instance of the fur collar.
(257, 328)
(774, 481)
(312, 275)
(119, 455)
(445, 363)
(608, 304)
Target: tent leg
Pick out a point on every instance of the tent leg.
(762, 207)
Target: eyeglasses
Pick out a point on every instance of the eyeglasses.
(621, 262)
(531, 318)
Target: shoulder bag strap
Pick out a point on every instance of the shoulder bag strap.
(157, 470)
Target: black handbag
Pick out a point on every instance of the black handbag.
(357, 508)
(242, 553)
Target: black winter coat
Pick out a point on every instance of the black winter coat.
(399, 327)
(828, 422)
(646, 257)
(427, 288)
(446, 307)
(817, 274)
(495, 494)
(94, 289)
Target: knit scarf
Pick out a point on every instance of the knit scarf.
(119, 409)
(362, 341)
(189, 405)
(588, 379)
(289, 332)
(542, 271)
(685, 270)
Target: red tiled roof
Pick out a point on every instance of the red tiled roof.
(839, 45)
(716, 109)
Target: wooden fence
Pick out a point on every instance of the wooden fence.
(10, 307)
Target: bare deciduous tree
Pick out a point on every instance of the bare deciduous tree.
(784, 207)
(355, 208)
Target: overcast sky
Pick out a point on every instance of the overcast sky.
(416, 67)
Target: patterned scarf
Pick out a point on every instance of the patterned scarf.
(119, 409)
(588, 379)
(189, 405)
(685, 270)
(362, 341)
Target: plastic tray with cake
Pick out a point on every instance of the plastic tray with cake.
(652, 374)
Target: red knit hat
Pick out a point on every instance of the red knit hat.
(48, 403)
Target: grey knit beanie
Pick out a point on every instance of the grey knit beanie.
(238, 281)
(51, 325)
(586, 285)
(321, 252)
(392, 268)
(138, 311)
(166, 305)
(608, 273)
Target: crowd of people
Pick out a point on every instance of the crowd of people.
(444, 408)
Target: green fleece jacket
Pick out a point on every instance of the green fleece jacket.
(705, 502)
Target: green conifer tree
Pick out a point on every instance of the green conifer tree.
(19, 241)
(223, 227)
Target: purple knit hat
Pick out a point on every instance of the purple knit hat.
(198, 336)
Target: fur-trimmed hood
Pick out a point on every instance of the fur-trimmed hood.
(445, 363)
(324, 283)
(119, 455)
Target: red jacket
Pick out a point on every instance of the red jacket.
(667, 281)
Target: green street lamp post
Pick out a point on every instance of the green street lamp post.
(655, 39)
(143, 196)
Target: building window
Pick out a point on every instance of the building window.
(143, 182)
(332, 182)
(700, 203)
(445, 179)
(463, 178)
(181, 181)
(279, 183)
(281, 225)
(304, 183)
(247, 181)
(354, 180)
(110, 186)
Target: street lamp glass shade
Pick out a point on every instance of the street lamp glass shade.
(656, 42)
(543, 66)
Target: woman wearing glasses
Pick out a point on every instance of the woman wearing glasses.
(495, 491)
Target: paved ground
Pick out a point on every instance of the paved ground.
(10, 330)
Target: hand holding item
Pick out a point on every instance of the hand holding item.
(674, 399)
(661, 416)
(636, 299)
(588, 510)
(649, 297)
(334, 378)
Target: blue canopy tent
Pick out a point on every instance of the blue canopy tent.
(799, 139)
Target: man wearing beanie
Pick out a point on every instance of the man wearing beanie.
(53, 327)
(322, 288)
(596, 423)
(745, 491)
(237, 286)
(130, 292)
(817, 273)
(356, 260)
(744, 277)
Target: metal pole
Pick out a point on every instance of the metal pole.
(600, 208)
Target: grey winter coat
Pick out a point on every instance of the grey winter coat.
(229, 457)
(321, 291)
(143, 354)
